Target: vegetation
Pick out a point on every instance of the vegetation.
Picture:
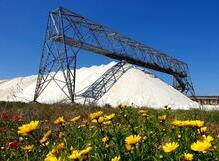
(77, 132)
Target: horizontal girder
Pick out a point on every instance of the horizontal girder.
(128, 58)
(83, 33)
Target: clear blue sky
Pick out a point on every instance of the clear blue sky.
(187, 30)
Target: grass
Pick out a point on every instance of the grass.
(153, 130)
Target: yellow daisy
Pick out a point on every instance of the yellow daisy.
(51, 158)
(75, 119)
(163, 117)
(132, 139)
(46, 136)
(28, 148)
(188, 156)
(59, 120)
(75, 155)
(95, 115)
(25, 129)
(169, 147)
(201, 146)
(117, 158)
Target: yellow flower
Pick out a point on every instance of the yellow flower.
(109, 117)
(194, 123)
(201, 146)
(117, 158)
(208, 138)
(107, 122)
(97, 118)
(169, 147)
(75, 119)
(85, 151)
(163, 117)
(197, 123)
(78, 154)
(51, 158)
(101, 119)
(105, 139)
(95, 115)
(59, 147)
(188, 156)
(48, 133)
(94, 120)
(59, 120)
(28, 148)
(143, 111)
(25, 129)
(132, 139)
(203, 129)
(56, 150)
(45, 137)
(177, 123)
(75, 155)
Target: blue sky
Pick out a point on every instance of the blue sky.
(187, 30)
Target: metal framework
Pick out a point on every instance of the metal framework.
(68, 32)
(103, 84)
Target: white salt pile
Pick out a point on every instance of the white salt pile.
(134, 87)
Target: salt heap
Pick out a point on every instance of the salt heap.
(135, 87)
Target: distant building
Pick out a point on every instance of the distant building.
(207, 100)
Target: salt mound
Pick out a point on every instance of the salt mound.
(135, 87)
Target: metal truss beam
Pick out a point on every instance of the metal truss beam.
(103, 84)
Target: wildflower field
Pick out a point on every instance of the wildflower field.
(41, 132)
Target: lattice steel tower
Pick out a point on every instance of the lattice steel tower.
(68, 32)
